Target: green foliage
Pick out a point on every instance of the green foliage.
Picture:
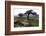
(20, 14)
(34, 22)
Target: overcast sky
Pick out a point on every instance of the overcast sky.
(22, 9)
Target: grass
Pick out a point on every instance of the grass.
(33, 22)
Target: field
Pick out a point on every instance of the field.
(33, 21)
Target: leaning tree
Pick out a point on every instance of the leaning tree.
(28, 12)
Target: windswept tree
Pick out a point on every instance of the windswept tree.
(20, 14)
(28, 12)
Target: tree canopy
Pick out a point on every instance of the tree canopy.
(20, 14)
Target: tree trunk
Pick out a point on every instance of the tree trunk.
(28, 17)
